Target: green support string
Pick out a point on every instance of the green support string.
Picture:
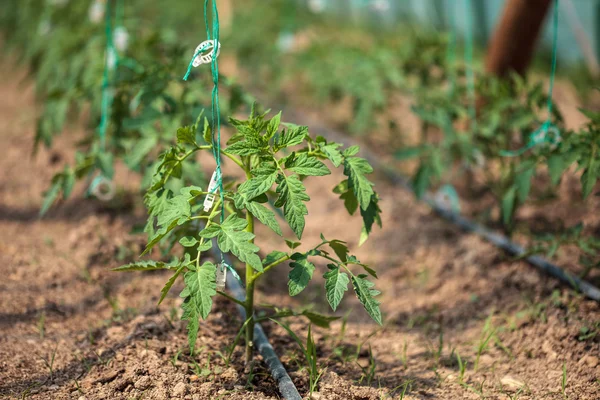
(110, 55)
(469, 61)
(106, 95)
(215, 108)
(547, 133)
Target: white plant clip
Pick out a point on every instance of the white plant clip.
(204, 53)
(221, 276)
(96, 12)
(212, 189)
(316, 6)
(103, 189)
(121, 38)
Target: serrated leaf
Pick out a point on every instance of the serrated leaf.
(165, 290)
(258, 185)
(273, 126)
(186, 135)
(199, 289)
(333, 154)
(148, 265)
(307, 166)
(370, 216)
(264, 215)
(292, 196)
(366, 295)
(171, 213)
(291, 137)
(356, 169)
(243, 148)
(301, 273)
(231, 237)
(336, 284)
(207, 132)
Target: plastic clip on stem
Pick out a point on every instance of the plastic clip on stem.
(213, 186)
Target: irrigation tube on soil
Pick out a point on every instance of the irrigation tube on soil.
(496, 239)
(284, 382)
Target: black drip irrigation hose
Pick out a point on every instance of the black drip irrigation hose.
(445, 212)
(286, 387)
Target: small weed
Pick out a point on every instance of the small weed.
(49, 362)
(310, 354)
(41, 325)
(175, 358)
(462, 367)
(368, 372)
(77, 386)
(563, 382)
(487, 333)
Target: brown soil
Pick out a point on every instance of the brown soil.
(72, 329)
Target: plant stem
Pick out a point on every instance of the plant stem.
(231, 298)
(268, 267)
(249, 304)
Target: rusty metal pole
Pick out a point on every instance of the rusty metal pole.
(513, 42)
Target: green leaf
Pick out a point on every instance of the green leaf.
(340, 248)
(231, 237)
(370, 216)
(292, 137)
(264, 215)
(556, 167)
(366, 295)
(51, 194)
(356, 169)
(207, 132)
(292, 244)
(165, 290)
(272, 257)
(408, 152)
(199, 288)
(301, 273)
(244, 148)
(320, 320)
(307, 166)
(336, 284)
(148, 265)
(333, 154)
(258, 185)
(422, 180)
(523, 183)
(173, 212)
(292, 194)
(273, 126)
(588, 181)
(186, 135)
(188, 241)
(508, 205)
